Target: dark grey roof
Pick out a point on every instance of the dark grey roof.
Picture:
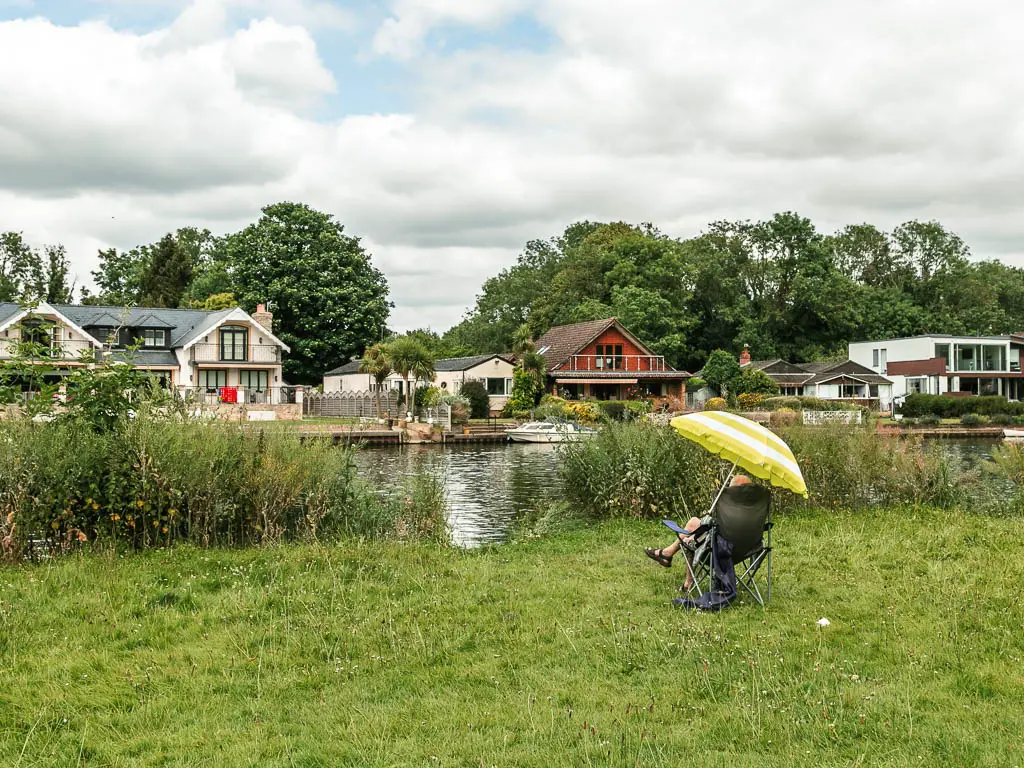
(8, 310)
(465, 363)
(352, 367)
(182, 323)
(145, 358)
(446, 365)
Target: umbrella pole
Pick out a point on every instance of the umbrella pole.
(724, 486)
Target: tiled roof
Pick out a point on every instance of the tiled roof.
(465, 363)
(350, 367)
(447, 364)
(148, 357)
(564, 340)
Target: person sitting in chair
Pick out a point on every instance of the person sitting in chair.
(688, 544)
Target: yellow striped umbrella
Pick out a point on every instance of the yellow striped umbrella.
(746, 444)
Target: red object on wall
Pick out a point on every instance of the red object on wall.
(228, 394)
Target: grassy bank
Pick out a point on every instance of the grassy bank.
(555, 651)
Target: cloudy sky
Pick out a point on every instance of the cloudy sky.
(448, 132)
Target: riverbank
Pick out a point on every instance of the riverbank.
(554, 651)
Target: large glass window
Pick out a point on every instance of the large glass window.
(254, 379)
(993, 357)
(234, 343)
(917, 386)
(212, 380)
(966, 357)
(942, 350)
(497, 387)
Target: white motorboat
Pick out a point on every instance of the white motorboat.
(549, 432)
(1013, 434)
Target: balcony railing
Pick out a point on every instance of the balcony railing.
(617, 363)
(255, 353)
(68, 350)
(238, 395)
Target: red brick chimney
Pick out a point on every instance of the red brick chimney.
(264, 318)
(744, 356)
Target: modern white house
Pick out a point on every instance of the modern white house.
(939, 364)
(495, 371)
(226, 357)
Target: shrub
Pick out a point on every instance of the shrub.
(784, 417)
(749, 400)
(637, 470)
(624, 410)
(526, 389)
(479, 400)
(930, 420)
(460, 407)
(972, 420)
(949, 407)
(1002, 419)
(715, 404)
(428, 397)
(754, 381)
(154, 483)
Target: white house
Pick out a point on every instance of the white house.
(835, 380)
(495, 371)
(226, 356)
(939, 364)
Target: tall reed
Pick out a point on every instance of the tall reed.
(155, 482)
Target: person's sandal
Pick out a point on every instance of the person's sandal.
(657, 556)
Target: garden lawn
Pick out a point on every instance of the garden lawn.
(555, 651)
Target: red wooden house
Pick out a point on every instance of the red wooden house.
(603, 360)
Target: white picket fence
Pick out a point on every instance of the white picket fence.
(440, 415)
(816, 418)
(350, 404)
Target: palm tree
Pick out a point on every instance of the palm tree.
(408, 356)
(530, 360)
(375, 362)
(422, 370)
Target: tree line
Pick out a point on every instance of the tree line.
(779, 286)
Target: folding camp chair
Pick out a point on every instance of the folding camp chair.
(741, 515)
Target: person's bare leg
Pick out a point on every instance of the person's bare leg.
(671, 550)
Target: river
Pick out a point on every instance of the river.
(489, 487)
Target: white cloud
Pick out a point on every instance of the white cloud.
(677, 113)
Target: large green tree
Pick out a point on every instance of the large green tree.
(328, 299)
(20, 269)
(168, 273)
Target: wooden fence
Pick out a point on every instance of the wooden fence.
(350, 405)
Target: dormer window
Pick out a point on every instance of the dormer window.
(234, 343)
(154, 337)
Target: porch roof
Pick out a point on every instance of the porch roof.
(606, 380)
(621, 377)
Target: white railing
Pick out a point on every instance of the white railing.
(440, 415)
(605, 363)
(255, 353)
(68, 350)
(817, 418)
(238, 395)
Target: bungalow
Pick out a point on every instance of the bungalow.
(603, 360)
(227, 356)
(836, 380)
(494, 371)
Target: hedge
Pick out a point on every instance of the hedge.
(947, 407)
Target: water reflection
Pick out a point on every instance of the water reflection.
(487, 486)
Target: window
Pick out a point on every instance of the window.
(942, 350)
(154, 337)
(211, 381)
(917, 386)
(609, 356)
(254, 379)
(234, 343)
(498, 387)
(874, 358)
(882, 355)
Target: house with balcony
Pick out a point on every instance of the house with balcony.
(939, 364)
(601, 359)
(212, 358)
(493, 371)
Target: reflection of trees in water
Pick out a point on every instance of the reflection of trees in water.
(486, 486)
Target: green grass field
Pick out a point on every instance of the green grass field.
(555, 651)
